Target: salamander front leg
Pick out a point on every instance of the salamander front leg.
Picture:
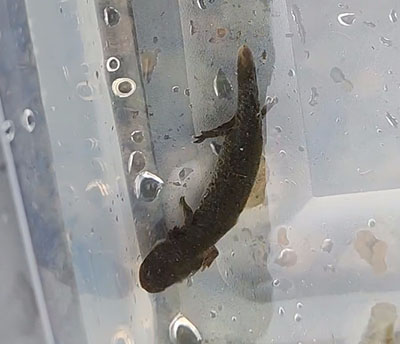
(221, 130)
(187, 211)
(209, 256)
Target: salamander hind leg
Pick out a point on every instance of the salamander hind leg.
(209, 256)
(221, 130)
(187, 211)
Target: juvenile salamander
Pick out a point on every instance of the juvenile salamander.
(190, 247)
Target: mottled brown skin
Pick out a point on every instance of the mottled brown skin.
(190, 247)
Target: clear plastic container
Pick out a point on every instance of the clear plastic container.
(99, 102)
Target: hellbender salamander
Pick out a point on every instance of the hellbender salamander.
(191, 246)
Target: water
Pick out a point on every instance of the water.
(346, 19)
(327, 245)
(137, 136)
(136, 162)
(392, 120)
(147, 186)
(183, 331)
(113, 64)
(123, 87)
(28, 120)
(111, 16)
(222, 86)
(8, 128)
(393, 16)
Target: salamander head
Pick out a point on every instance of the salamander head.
(166, 265)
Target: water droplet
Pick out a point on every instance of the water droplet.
(84, 90)
(276, 282)
(281, 311)
(175, 89)
(329, 268)
(301, 149)
(327, 245)
(346, 19)
(393, 16)
(282, 153)
(136, 162)
(385, 41)
(337, 75)
(191, 28)
(111, 16)
(287, 258)
(371, 223)
(297, 317)
(148, 186)
(186, 92)
(234, 318)
(213, 314)
(222, 86)
(28, 120)
(137, 136)
(291, 73)
(8, 129)
(278, 129)
(182, 330)
(296, 15)
(369, 24)
(121, 337)
(299, 305)
(314, 96)
(112, 64)
(215, 148)
(201, 4)
(185, 172)
(123, 87)
(392, 120)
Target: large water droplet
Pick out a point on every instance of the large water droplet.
(337, 75)
(147, 186)
(327, 245)
(371, 223)
(112, 64)
(184, 173)
(8, 128)
(385, 41)
(111, 16)
(313, 98)
(121, 337)
(201, 4)
(287, 258)
(346, 19)
(297, 317)
(393, 16)
(222, 86)
(85, 90)
(28, 120)
(183, 331)
(137, 136)
(136, 162)
(123, 87)
(392, 120)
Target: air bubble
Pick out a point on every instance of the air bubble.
(28, 120)
(112, 64)
(371, 223)
(8, 129)
(123, 87)
(175, 89)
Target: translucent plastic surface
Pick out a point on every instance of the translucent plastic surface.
(99, 104)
